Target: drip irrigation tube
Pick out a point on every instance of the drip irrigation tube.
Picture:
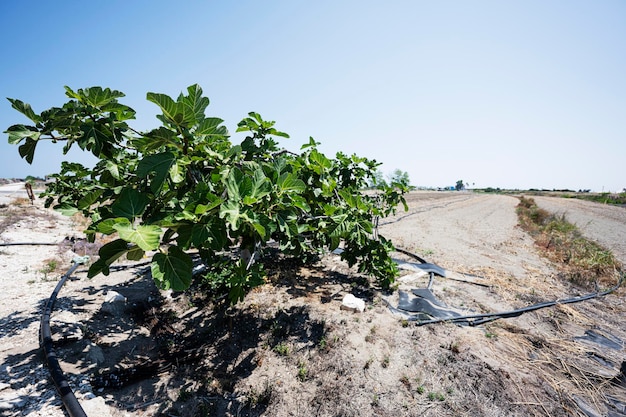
(412, 255)
(478, 319)
(70, 402)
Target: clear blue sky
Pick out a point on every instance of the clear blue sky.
(510, 94)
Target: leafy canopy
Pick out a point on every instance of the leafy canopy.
(184, 188)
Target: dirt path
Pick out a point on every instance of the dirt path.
(9, 192)
(289, 350)
(465, 231)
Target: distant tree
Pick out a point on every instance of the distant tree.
(460, 185)
(400, 177)
(378, 180)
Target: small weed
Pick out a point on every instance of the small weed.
(50, 265)
(282, 349)
(420, 390)
(490, 335)
(375, 400)
(323, 343)
(432, 396)
(326, 343)
(302, 372)
(404, 323)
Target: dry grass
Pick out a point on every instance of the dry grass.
(21, 201)
(564, 365)
(80, 222)
(582, 261)
(21, 209)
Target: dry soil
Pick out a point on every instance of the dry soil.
(289, 350)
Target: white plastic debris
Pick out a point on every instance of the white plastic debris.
(114, 303)
(114, 297)
(352, 303)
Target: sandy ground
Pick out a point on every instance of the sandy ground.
(547, 362)
(10, 192)
(465, 231)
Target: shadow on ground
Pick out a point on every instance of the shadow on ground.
(154, 346)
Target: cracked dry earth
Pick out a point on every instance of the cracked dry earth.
(289, 350)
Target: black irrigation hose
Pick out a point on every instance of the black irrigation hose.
(412, 255)
(70, 402)
(478, 319)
